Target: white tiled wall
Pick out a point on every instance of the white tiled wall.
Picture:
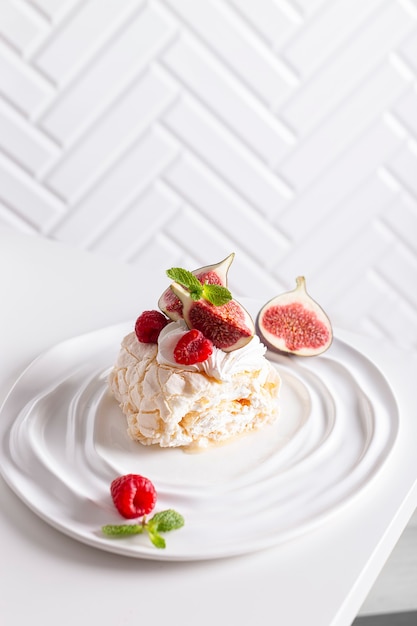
(180, 130)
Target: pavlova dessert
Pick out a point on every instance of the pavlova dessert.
(194, 372)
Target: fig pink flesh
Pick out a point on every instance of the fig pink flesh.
(209, 277)
(223, 325)
(172, 303)
(296, 325)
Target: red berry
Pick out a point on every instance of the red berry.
(133, 495)
(148, 326)
(192, 348)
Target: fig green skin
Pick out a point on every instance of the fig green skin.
(306, 318)
(171, 305)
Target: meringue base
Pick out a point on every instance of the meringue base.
(172, 407)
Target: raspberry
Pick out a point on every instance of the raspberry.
(133, 495)
(192, 348)
(148, 326)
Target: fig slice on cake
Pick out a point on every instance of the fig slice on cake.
(215, 274)
(210, 308)
(294, 323)
(228, 326)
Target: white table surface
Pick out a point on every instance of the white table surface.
(51, 292)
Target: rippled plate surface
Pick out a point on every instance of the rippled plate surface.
(64, 439)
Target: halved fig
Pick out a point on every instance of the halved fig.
(294, 323)
(228, 326)
(215, 274)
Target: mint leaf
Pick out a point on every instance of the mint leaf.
(187, 280)
(163, 522)
(157, 540)
(160, 522)
(166, 520)
(216, 294)
(122, 530)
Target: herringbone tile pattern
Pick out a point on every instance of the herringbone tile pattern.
(175, 131)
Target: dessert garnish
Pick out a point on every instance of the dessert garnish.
(295, 323)
(192, 348)
(212, 310)
(215, 274)
(148, 326)
(135, 496)
(161, 522)
(212, 292)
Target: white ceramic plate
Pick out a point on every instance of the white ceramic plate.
(63, 439)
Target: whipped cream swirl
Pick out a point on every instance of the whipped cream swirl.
(220, 365)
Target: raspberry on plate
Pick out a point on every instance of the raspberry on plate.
(133, 495)
(192, 348)
(148, 326)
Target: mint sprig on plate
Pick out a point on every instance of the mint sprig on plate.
(215, 294)
(161, 522)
